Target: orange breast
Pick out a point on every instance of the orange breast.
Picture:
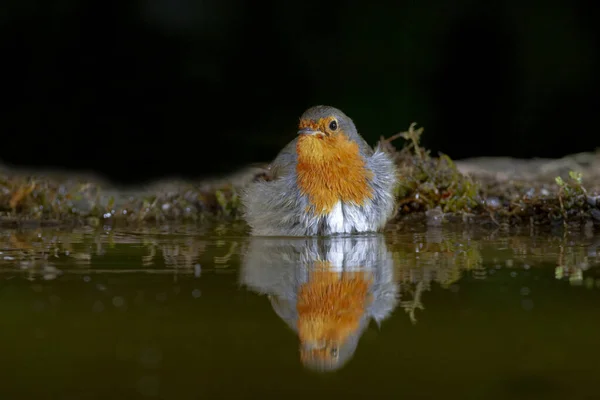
(331, 169)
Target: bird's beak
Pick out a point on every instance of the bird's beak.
(309, 131)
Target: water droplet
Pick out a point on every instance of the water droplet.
(37, 288)
(584, 266)
(526, 266)
(493, 202)
(118, 301)
(527, 304)
(100, 287)
(196, 293)
(197, 270)
(513, 274)
(87, 278)
(454, 288)
(49, 277)
(525, 291)
(589, 282)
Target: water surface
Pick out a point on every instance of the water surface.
(188, 313)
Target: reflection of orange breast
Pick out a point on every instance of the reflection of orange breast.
(331, 304)
(331, 169)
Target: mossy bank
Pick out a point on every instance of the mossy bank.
(433, 190)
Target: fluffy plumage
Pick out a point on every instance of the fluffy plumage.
(329, 181)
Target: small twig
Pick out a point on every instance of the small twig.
(562, 206)
(412, 305)
(412, 135)
(224, 259)
(393, 137)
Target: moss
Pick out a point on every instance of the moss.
(434, 188)
(572, 196)
(49, 200)
(426, 182)
(431, 189)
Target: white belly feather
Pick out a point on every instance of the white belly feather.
(346, 219)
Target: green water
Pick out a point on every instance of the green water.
(183, 313)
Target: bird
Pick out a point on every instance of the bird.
(327, 181)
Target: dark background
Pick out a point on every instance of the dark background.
(155, 88)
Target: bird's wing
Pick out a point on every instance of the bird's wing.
(285, 160)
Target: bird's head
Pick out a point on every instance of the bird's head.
(326, 123)
(327, 134)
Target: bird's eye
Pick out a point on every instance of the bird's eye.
(334, 351)
(333, 125)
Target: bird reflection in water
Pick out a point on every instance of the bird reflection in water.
(326, 289)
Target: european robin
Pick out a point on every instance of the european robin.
(327, 180)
